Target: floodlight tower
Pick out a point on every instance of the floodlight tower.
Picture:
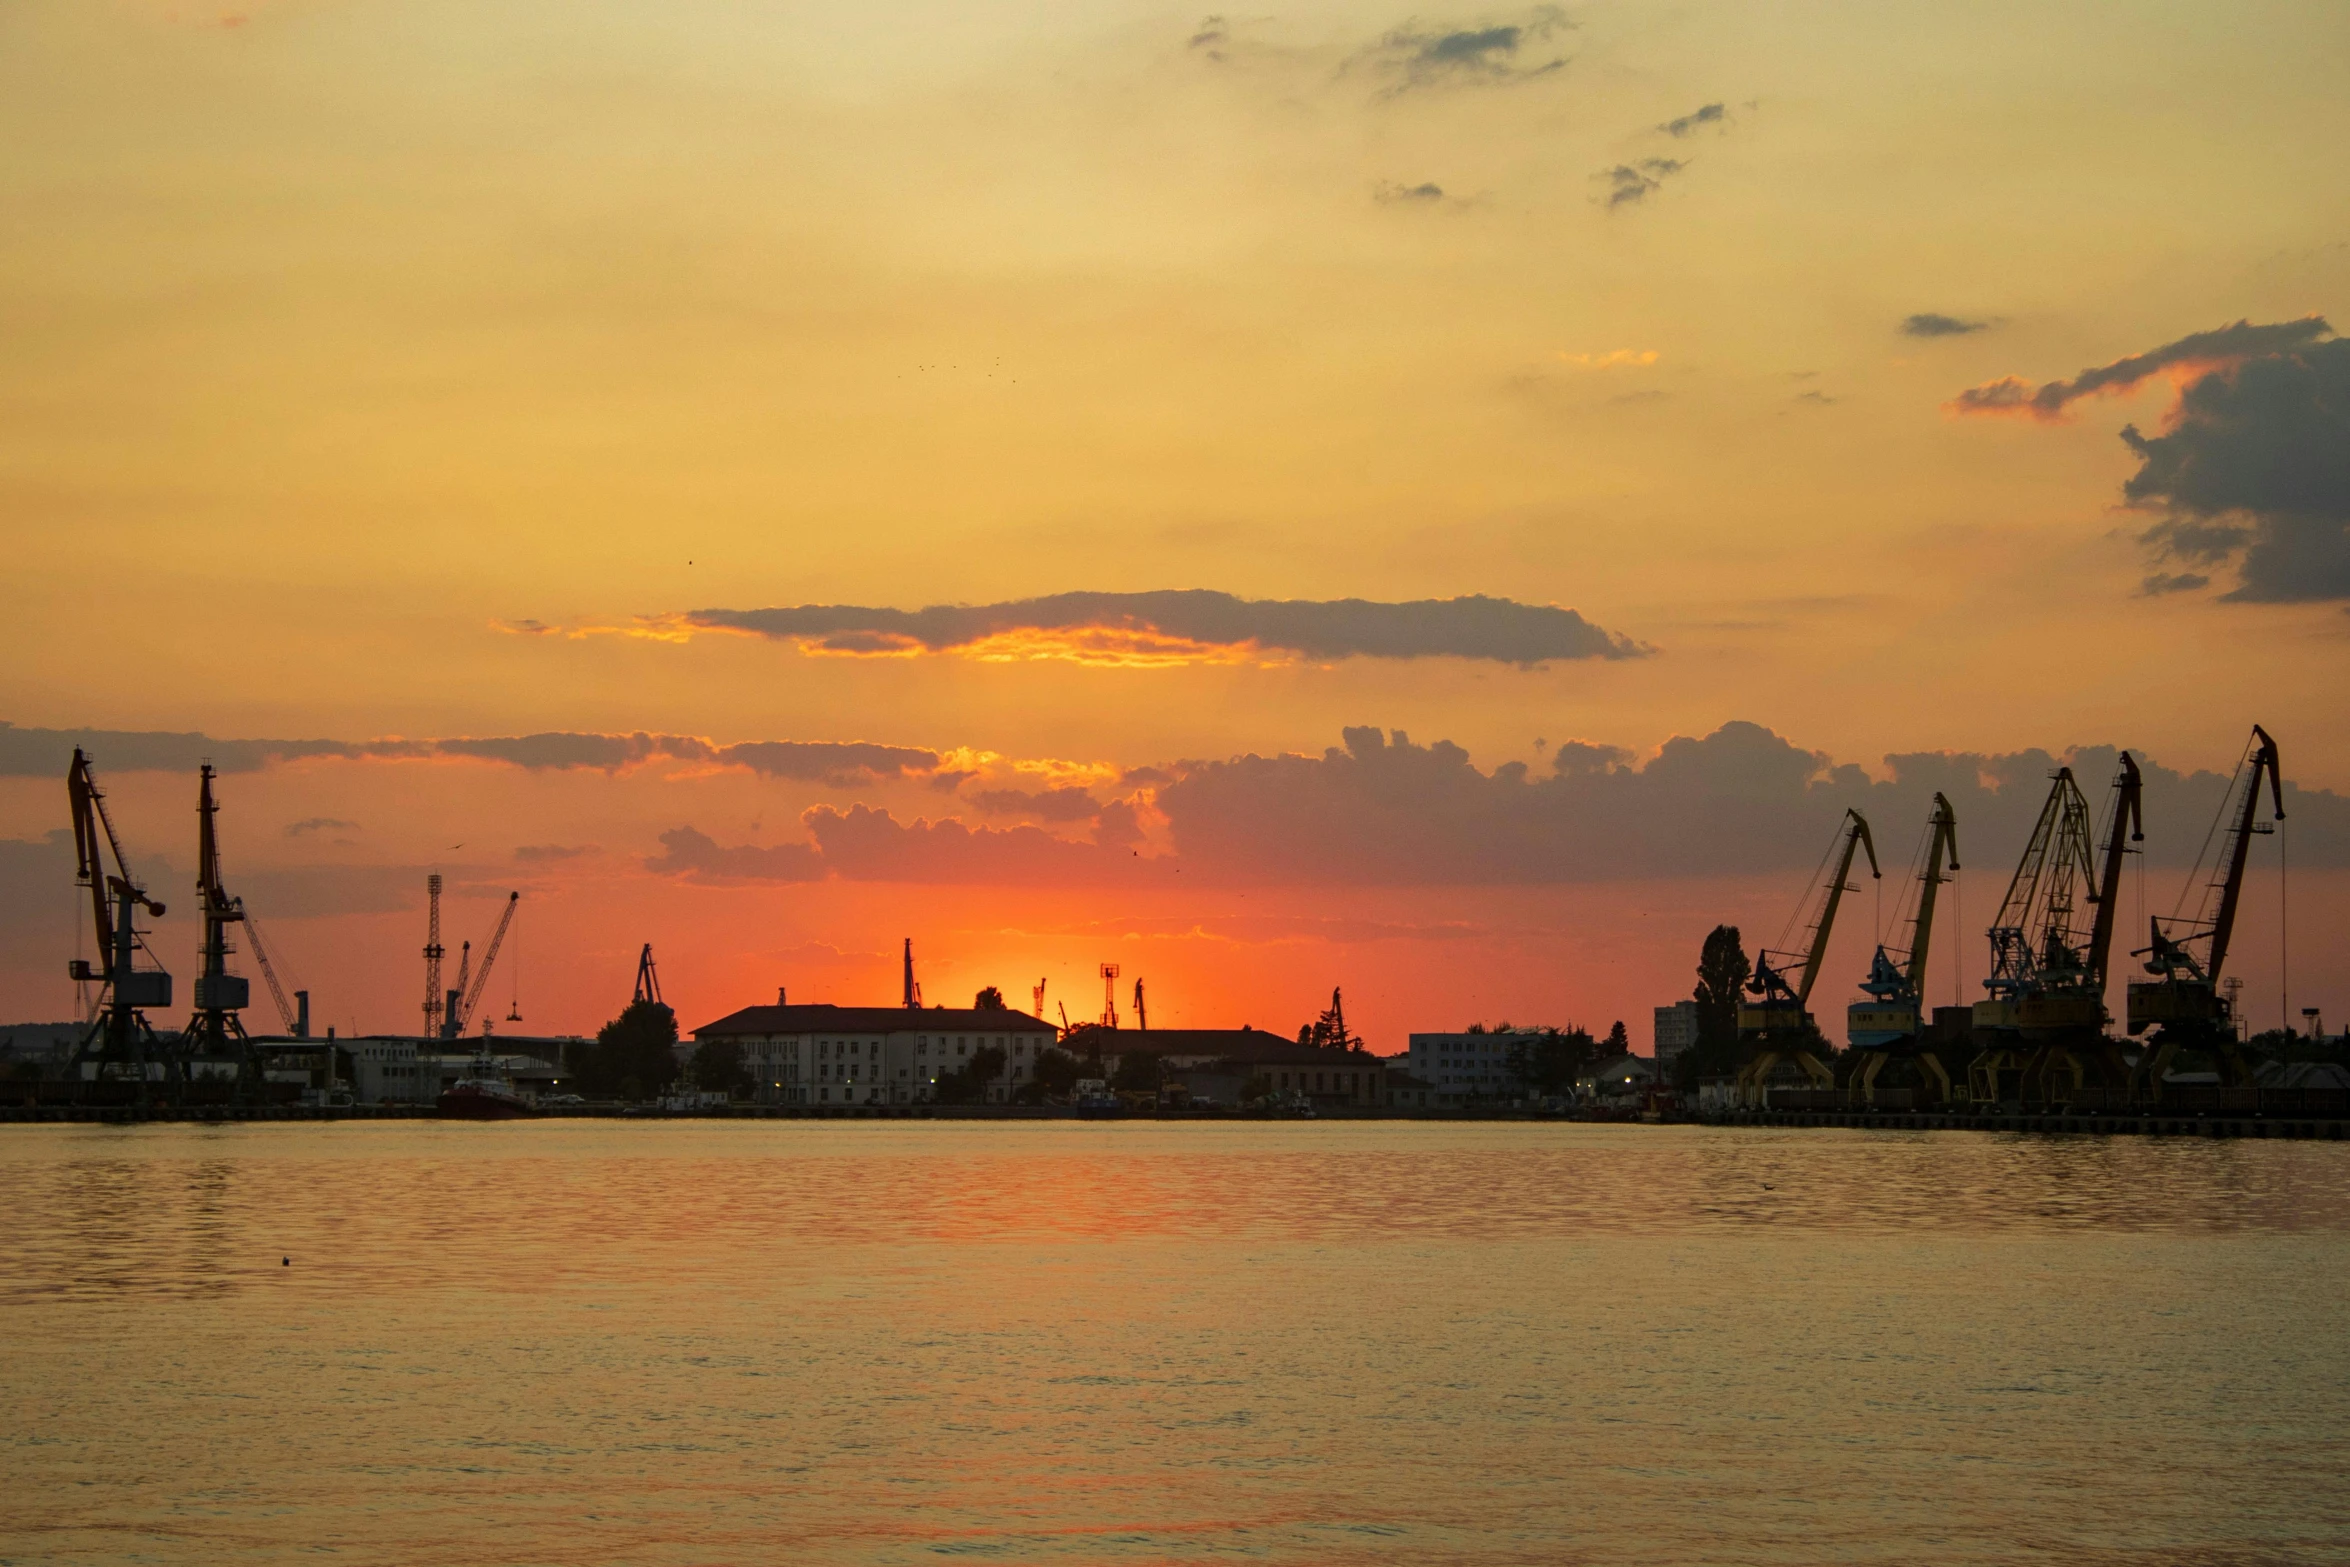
(1109, 995)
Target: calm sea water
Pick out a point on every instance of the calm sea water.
(582, 1342)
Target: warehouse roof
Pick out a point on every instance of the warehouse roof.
(823, 1019)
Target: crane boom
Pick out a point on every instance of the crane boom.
(2223, 927)
(269, 972)
(1944, 825)
(481, 976)
(1856, 836)
(2109, 882)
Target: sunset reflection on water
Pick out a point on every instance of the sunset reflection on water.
(588, 1342)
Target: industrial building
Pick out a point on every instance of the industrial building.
(1232, 1066)
(827, 1055)
(1676, 1031)
(1461, 1068)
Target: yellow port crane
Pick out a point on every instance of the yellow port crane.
(1777, 1027)
(1890, 1025)
(2186, 1002)
(2042, 1030)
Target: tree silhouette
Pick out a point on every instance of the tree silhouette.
(989, 1000)
(1721, 978)
(634, 1055)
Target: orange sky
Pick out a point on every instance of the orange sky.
(388, 370)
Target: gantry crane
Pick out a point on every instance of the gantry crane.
(2186, 1001)
(1890, 1025)
(119, 1046)
(2043, 1028)
(1777, 1027)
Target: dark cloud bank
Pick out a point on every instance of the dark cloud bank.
(1477, 627)
(2253, 468)
(1383, 810)
(1379, 809)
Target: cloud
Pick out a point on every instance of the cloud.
(40, 753)
(2162, 582)
(1613, 359)
(867, 844)
(1067, 804)
(1629, 184)
(319, 824)
(1179, 627)
(1427, 193)
(1741, 800)
(552, 853)
(2191, 356)
(1931, 323)
(1711, 114)
(829, 761)
(2255, 467)
(43, 753)
(1413, 57)
(564, 749)
(292, 892)
(1212, 37)
(688, 852)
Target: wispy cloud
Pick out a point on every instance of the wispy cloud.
(1413, 57)
(1612, 359)
(320, 824)
(1629, 184)
(1695, 119)
(1932, 323)
(2184, 359)
(1425, 194)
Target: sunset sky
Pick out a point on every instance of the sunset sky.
(1446, 502)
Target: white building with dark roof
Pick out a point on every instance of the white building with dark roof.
(858, 1056)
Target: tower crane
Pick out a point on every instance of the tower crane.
(466, 995)
(1777, 1027)
(2043, 1026)
(118, 1046)
(2185, 1002)
(1891, 1023)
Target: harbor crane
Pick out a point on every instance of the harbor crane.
(119, 1046)
(466, 994)
(1109, 995)
(1890, 1025)
(2042, 1030)
(2185, 1002)
(214, 1044)
(1776, 1027)
(295, 1016)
